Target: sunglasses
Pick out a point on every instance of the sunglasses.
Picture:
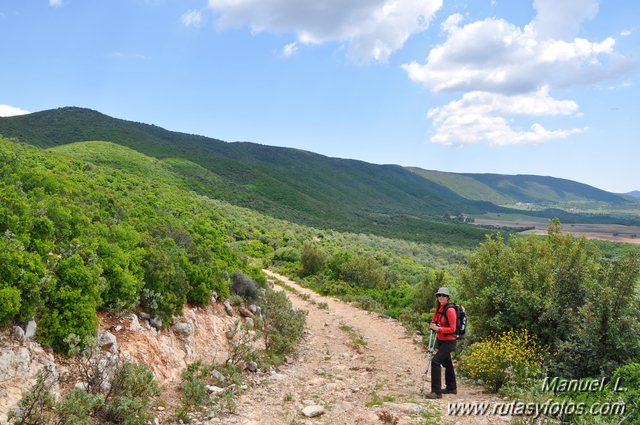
(441, 295)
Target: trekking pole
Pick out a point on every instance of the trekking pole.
(430, 350)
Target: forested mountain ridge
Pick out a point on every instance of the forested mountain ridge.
(304, 187)
(301, 186)
(510, 189)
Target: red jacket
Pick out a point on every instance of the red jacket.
(447, 323)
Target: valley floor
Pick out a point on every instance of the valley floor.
(606, 232)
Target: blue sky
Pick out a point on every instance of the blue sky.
(546, 87)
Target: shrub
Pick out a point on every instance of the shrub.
(363, 271)
(512, 357)
(77, 407)
(242, 347)
(130, 394)
(283, 325)
(424, 298)
(244, 286)
(68, 312)
(286, 255)
(335, 287)
(10, 302)
(194, 386)
(36, 406)
(195, 394)
(629, 376)
(561, 289)
(313, 259)
(95, 366)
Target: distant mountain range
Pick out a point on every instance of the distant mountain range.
(313, 189)
(635, 193)
(505, 189)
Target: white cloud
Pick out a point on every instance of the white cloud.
(626, 33)
(192, 18)
(289, 49)
(55, 3)
(482, 117)
(560, 20)
(504, 70)
(373, 29)
(10, 111)
(495, 55)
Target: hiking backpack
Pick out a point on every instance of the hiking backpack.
(461, 322)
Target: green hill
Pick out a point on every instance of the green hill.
(312, 189)
(512, 189)
(97, 226)
(292, 184)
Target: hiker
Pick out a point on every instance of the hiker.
(445, 326)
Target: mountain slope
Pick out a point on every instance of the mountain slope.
(511, 189)
(634, 193)
(287, 183)
(312, 189)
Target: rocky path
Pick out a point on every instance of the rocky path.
(354, 366)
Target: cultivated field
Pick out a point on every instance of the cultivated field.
(607, 232)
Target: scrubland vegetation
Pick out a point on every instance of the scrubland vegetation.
(76, 237)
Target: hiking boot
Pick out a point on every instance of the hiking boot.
(450, 391)
(433, 395)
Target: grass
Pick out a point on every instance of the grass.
(354, 336)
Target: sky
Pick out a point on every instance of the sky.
(545, 87)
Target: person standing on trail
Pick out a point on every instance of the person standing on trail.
(444, 323)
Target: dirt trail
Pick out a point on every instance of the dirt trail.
(351, 381)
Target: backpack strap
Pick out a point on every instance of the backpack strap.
(444, 312)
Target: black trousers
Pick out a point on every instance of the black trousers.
(443, 358)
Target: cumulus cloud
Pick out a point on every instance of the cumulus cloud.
(372, 29)
(560, 20)
(192, 18)
(481, 116)
(504, 70)
(10, 111)
(55, 3)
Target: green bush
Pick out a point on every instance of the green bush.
(335, 287)
(77, 407)
(286, 255)
(23, 271)
(194, 393)
(561, 290)
(68, 312)
(10, 304)
(424, 296)
(129, 397)
(365, 302)
(363, 271)
(629, 376)
(313, 259)
(283, 325)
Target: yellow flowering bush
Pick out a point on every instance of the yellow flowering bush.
(512, 357)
